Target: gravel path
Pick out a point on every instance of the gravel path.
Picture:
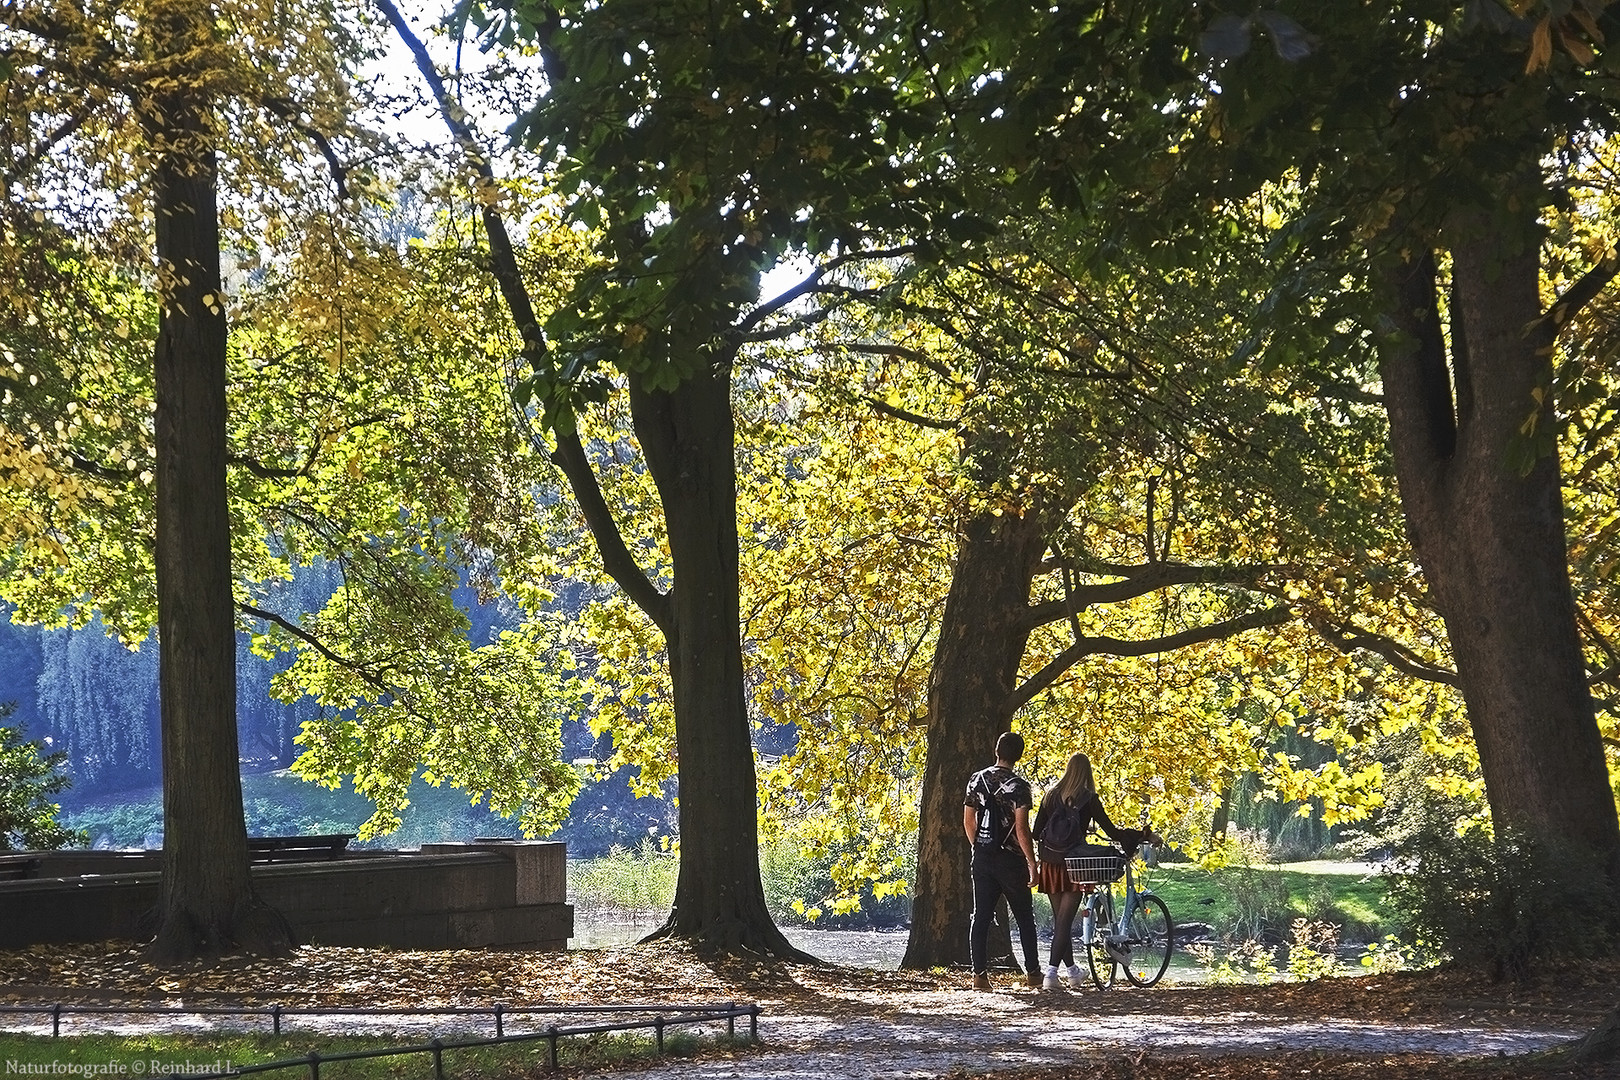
(931, 1034)
(825, 1022)
(982, 1033)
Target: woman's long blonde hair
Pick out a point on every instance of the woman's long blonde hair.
(1077, 785)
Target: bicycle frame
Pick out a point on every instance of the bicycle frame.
(1138, 937)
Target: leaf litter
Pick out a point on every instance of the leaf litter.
(670, 973)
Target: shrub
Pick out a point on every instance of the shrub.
(1502, 902)
(1259, 897)
(27, 782)
(1313, 950)
(625, 882)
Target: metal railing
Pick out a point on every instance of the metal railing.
(730, 1012)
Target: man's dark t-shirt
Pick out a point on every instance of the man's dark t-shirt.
(997, 793)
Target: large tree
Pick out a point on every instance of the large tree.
(1412, 149)
(208, 904)
(704, 141)
(1433, 140)
(168, 69)
(349, 416)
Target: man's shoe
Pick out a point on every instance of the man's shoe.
(1051, 981)
(1033, 979)
(981, 981)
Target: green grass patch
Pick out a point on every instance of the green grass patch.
(1261, 902)
(152, 1057)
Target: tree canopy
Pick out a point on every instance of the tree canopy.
(1159, 381)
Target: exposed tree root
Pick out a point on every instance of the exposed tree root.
(254, 928)
(732, 937)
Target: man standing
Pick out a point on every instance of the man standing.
(996, 819)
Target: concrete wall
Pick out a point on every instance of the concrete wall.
(450, 896)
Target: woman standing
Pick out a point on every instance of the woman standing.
(1068, 812)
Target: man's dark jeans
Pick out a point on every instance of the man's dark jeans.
(999, 872)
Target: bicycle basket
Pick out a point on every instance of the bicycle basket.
(1094, 869)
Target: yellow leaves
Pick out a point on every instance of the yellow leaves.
(1577, 30)
(810, 914)
(1540, 46)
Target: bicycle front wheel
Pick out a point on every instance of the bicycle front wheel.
(1149, 937)
(1097, 955)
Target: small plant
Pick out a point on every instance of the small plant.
(1387, 956)
(1236, 963)
(1313, 952)
(625, 881)
(1259, 896)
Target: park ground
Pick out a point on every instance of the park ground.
(826, 1020)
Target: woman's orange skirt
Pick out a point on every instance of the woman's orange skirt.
(1055, 879)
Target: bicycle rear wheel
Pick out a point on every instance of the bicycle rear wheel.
(1149, 937)
(1098, 957)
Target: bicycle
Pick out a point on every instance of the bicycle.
(1140, 940)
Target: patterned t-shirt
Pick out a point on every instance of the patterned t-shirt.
(997, 793)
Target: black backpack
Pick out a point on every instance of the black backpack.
(1064, 828)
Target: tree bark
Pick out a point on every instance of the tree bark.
(1491, 539)
(688, 438)
(975, 669)
(1601, 1045)
(207, 904)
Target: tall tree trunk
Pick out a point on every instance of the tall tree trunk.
(207, 902)
(1491, 539)
(687, 436)
(975, 668)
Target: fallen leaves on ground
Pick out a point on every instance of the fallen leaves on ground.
(670, 973)
(1295, 1066)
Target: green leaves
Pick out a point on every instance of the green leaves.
(27, 781)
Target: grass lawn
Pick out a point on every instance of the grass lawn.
(158, 1055)
(1242, 902)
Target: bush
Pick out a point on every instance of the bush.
(1501, 903)
(27, 782)
(1260, 899)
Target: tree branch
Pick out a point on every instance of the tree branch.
(610, 546)
(812, 282)
(315, 643)
(902, 352)
(881, 406)
(287, 112)
(1348, 638)
(570, 455)
(96, 469)
(1138, 581)
(1108, 646)
(272, 472)
(26, 163)
(1577, 296)
(1611, 672)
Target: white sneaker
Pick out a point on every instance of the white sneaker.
(1075, 976)
(1051, 980)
